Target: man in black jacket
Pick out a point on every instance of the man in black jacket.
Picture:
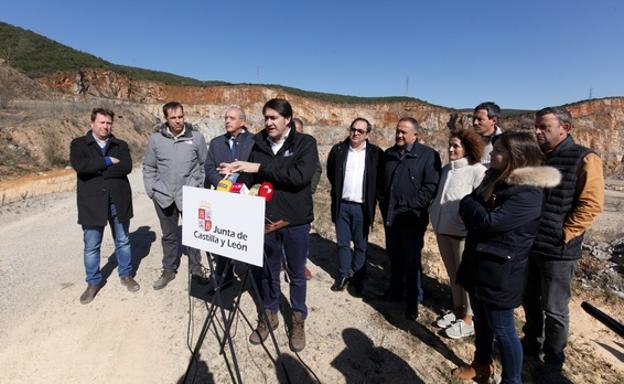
(102, 162)
(287, 160)
(410, 179)
(352, 168)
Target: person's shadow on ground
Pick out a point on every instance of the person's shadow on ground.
(323, 253)
(362, 362)
(292, 370)
(197, 374)
(141, 242)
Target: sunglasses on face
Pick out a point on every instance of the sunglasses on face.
(360, 131)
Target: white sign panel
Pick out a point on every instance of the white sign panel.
(226, 224)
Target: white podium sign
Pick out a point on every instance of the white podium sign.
(226, 224)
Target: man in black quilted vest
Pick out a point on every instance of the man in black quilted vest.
(569, 210)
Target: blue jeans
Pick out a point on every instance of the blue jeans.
(490, 323)
(92, 236)
(350, 227)
(295, 241)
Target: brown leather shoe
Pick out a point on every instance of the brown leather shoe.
(130, 283)
(262, 330)
(89, 294)
(478, 372)
(297, 339)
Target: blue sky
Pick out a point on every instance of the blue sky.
(521, 54)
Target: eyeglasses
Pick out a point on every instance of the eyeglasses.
(360, 131)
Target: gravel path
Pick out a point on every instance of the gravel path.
(47, 336)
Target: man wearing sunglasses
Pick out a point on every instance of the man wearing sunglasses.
(352, 169)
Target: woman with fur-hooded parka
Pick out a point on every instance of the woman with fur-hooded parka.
(501, 231)
(502, 216)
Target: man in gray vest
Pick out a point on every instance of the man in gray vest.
(174, 158)
(484, 119)
(569, 210)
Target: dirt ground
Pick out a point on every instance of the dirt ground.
(47, 336)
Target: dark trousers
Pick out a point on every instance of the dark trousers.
(546, 301)
(224, 269)
(294, 242)
(490, 323)
(168, 218)
(351, 226)
(404, 243)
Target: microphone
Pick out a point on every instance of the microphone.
(233, 177)
(253, 191)
(239, 188)
(224, 185)
(266, 190)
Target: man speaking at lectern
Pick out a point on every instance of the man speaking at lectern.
(288, 160)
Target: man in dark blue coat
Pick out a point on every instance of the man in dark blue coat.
(411, 174)
(102, 163)
(234, 145)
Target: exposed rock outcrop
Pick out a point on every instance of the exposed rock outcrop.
(15, 84)
(598, 123)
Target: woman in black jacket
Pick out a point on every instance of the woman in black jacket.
(501, 216)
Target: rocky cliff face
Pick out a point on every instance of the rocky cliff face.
(598, 123)
(37, 123)
(15, 84)
(326, 121)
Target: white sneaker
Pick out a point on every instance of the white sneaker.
(459, 330)
(446, 320)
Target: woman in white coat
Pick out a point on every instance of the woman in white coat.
(459, 178)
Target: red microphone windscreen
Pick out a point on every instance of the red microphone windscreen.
(237, 188)
(266, 191)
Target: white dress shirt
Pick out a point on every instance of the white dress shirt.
(353, 186)
(275, 147)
